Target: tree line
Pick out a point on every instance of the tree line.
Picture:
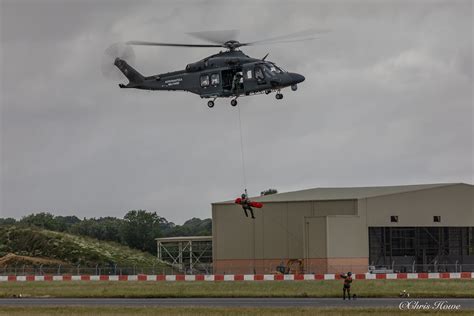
(137, 229)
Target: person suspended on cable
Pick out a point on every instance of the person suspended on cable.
(247, 204)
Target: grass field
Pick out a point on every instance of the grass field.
(363, 288)
(112, 311)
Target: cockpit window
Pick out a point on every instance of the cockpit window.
(271, 70)
(274, 69)
(204, 81)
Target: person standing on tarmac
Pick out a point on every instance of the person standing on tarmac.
(347, 285)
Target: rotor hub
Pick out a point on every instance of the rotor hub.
(232, 45)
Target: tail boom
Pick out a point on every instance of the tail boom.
(133, 76)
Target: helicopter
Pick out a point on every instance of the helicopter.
(227, 74)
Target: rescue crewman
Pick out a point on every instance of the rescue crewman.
(347, 285)
(246, 204)
(237, 81)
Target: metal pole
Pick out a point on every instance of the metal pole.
(191, 256)
(180, 255)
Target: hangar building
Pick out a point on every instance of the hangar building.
(411, 228)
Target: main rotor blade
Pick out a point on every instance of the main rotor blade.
(170, 44)
(217, 37)
(308, 32)
(282, 41)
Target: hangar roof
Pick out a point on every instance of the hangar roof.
(321, 194)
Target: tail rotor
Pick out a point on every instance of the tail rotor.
(114, 51)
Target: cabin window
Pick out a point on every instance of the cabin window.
(249, 74)
(394, 219)
(205, 81)
(215, 79)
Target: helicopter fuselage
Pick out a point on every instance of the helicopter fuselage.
(226, 74)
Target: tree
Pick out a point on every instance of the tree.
(64, 223)
(49, 221)
(140, 228)
(103, 228)
(269, 191)
(193, 227)
(7, 221)
(43, 220)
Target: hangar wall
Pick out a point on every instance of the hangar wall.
(243, 245)
(330, 235)
(455, 205)
(336, 243)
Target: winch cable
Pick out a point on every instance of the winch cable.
(244, 177)
(291, 235)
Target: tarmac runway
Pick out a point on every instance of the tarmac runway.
(438, 303)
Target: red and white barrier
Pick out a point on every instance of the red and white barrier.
(234, 277)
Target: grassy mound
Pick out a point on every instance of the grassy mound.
(72, 249)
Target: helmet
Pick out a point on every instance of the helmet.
(349, 273)
(244, 196)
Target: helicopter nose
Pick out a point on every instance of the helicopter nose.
(297, 78)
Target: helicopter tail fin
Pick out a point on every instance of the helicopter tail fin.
(132, 75)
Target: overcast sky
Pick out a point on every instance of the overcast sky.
(387, 100)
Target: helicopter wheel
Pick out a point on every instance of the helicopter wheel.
(294, 87)
(233, 102)
(268, 91)
(279, 96)
(210, 104)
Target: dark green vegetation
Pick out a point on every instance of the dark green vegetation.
(71, 249)
(363, 288)
(241, 311)
(269, 191)
(138, 229)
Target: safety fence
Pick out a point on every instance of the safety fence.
(236, 277)
(432, 267)
(97, 270)
(318, 268)
(231, 268)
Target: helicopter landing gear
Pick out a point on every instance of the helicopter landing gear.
(279, 96)
(268, 91)
(233, 102)
(210, 103)
(294, 87)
